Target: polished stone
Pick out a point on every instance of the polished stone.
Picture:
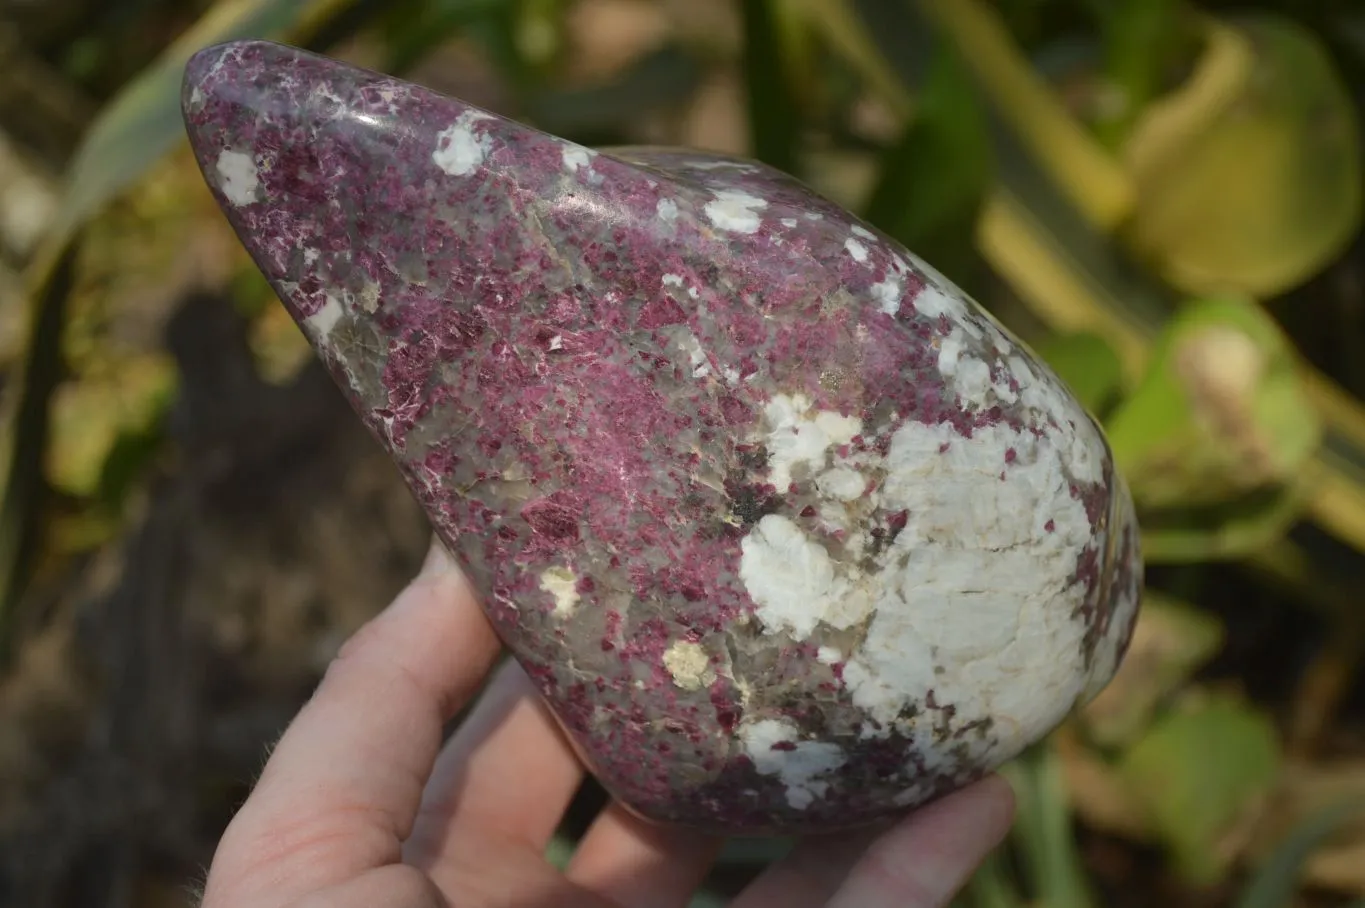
(789, 533)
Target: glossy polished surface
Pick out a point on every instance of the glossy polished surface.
(788, 532)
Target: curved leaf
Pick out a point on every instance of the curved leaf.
(1249, 177)
(1277, 880)
(1094, 180)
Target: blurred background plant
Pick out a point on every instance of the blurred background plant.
(1162, 197)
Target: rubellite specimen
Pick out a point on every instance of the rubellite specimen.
(789, 533)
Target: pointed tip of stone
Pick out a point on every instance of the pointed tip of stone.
(215, 70)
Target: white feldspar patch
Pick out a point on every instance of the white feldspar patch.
(794, 583)
(321, 323)
(859, 230)
(667, 210)
(887, 294)
(1078, 433)
(975, 584)
(797, 435)
(237, 177)
(773, 746)
(856, 249)
(459, 149)
(789, 222)
(829, 655)
(735, 211)
(562, 586)
(696, 356)
(973, 599)
(933, 301)
(843, 483)
(688, 664)
(576, 156)
(968, 375)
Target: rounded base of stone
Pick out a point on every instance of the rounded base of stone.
(824, 825)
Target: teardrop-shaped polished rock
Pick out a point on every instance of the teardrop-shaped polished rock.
(789, 533)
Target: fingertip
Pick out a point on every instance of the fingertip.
(994, 799)
(930, 854)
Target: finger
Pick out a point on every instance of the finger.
(638, 865)
(340, 792)
(392, 886)
(810, 873)
(507, 775)
(917, 863)
(923, 862)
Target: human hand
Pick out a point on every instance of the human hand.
(361, 805)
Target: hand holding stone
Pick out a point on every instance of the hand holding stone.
(361, 806)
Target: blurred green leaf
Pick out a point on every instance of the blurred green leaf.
(991, 886)
(1276, 880)
(931, 183)
(774, 122)
(540, 33)
(143, 122)
(1231, 530)
(24, 441)
(1249, 176)
(1093, 179)
(560, 850)
(1144, 41)
(98, 416)
(1220, 413)
(1198, 772)
(413, 28)
(131, 133)
(1088, 365)
(837, 22)
(1043, 829)
(661, 78)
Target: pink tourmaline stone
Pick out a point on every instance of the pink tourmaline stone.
(788, 532)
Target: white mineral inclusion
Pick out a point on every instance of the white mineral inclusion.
(856, 249)
(735, 211)
(887, 294)
(800, 437)
(667, 210)
(795, 583)
(688, 665)
(576, 156)
(973, 599)
(459, 150)
(774, 748)
(237, 177)
(321, 323)
(562, 585)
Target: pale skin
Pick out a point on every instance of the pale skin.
(362, 804)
